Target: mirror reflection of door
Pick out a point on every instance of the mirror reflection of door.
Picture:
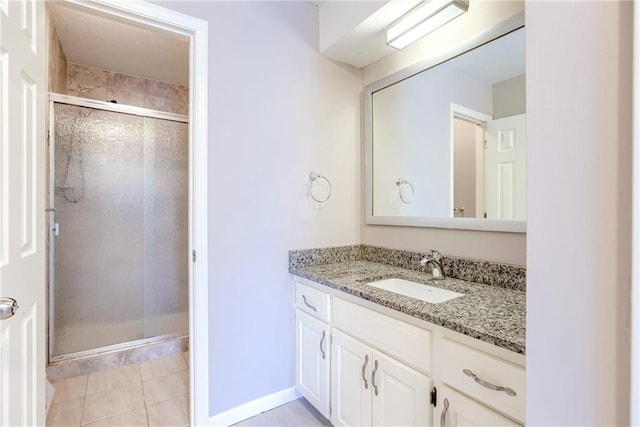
(489, 168)
(429, 129)
(468, 139)
(505, 161)
(465, 176)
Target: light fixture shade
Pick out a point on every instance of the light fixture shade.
(423, 19)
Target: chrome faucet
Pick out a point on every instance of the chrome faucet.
(433, 259)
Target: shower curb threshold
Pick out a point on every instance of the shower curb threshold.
(101, 359)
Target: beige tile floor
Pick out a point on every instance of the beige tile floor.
(152, 393)
(298, 413)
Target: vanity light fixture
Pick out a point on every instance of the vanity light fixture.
(423, 19)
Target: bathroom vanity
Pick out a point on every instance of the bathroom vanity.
(378, 340)
(367, 356)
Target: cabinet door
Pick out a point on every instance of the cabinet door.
(312, 361)
(455, 410)
(401, 395)
(350, 381)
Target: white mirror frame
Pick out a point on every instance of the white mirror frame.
(504, 225)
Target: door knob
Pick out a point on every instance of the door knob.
(8, 307)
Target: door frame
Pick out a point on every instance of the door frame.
(635, 224)
(481, 119)
(157, 17)
(56, 98)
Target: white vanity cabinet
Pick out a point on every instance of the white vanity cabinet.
(482, 376)
(455, 410)
(312, 346)
(361, 365)
(372, 382)
(369, 388)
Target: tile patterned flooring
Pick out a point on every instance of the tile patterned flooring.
(152, 393)
(298, 413)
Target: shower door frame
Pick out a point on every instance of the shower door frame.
(51, 210)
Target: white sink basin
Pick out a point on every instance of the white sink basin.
(415, 290)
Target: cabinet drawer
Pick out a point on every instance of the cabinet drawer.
(401, 340)
(456, 359)
(312, 301)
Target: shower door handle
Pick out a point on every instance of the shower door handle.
(8, 307)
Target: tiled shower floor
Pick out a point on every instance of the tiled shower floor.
(152, 393)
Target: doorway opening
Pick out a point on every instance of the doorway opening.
(468, 136)
(126, 95)
(488, 165)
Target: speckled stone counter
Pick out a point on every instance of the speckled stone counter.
(494, 314)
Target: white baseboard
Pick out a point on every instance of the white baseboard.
(255, 407)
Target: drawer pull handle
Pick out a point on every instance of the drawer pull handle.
(321, 341)
(373, 377)
(304, 298)
(443, 416)
(364, 367)
(487, 384)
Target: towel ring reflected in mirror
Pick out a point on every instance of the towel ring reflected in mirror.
(403, 197)
(314, 177)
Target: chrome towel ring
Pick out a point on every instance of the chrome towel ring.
(406, 200)
(314, 176)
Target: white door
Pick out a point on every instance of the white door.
(350, 381)
(22, 236)
(312, 361)
(457, 410)
(401, 395)
(505, 166)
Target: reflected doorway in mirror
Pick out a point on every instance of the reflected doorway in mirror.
(489, 165)
(468, 172)
(409, 134)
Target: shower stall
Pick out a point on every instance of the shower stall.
(118, 221)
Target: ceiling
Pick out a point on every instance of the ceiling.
(364, 41)
(101, 42)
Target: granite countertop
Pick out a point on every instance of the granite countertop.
(489, 313)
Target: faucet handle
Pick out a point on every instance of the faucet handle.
(435, 254)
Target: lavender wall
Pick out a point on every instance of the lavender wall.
(277, 110)
(579, 88)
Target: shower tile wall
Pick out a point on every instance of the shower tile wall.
(104, 85)
(57, 63)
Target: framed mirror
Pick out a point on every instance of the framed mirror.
(445, 141)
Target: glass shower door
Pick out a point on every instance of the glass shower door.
(119, 271)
